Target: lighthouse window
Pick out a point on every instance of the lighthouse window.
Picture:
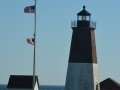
(84, 18)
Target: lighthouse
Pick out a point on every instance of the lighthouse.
(82, 72)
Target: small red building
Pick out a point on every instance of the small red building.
(109, 84)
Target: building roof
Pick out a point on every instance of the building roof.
(109, 84)
(21, 81)
(83, 12)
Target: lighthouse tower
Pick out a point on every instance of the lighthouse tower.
(82, 73)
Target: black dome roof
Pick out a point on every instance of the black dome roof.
(83, 12)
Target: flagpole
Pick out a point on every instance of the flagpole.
(34, 56)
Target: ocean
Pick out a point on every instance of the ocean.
(42, 87)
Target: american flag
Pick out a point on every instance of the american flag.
(29, 9)
(31, 41)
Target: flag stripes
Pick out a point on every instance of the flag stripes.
(29, 9)
(30, 41)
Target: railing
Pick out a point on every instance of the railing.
(74, 23)
(92, 24)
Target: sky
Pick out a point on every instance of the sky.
(54, 38)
